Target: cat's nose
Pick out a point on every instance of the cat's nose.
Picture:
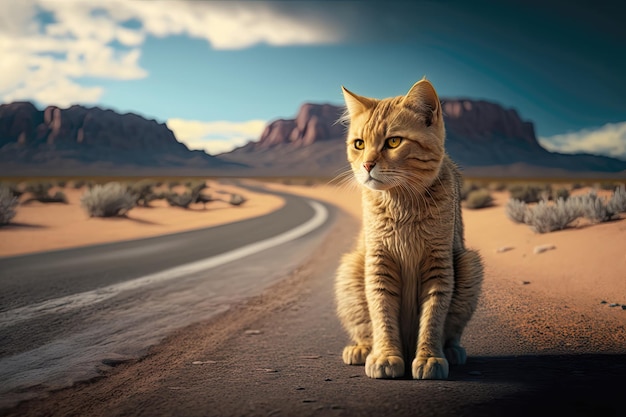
(369, 166)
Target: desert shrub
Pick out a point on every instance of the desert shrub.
(467, 188)
(593, 208)
(608, 186)
(617, 203)
(40, 191)
(204, 198)
(478, 199)
(173, 184)
(577, 186)
(526, 193)
(196, 187)
(8, 203)
(78, 184)
(180, 200)
(237, 199)
(13, 188)
(61, 183)
(560, 193)
(547, 217)
(108, 200)
(516, 210)
(144, 191)
(498, 186)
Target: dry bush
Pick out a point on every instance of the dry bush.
(546, 217)
(40, 191)
(478, 199)
(467, 188)
(560, 193)
(617, 203)
(236, 199)
(526, 193)
(8, 203)
(516, 210)
(144, 190)
(108, 200)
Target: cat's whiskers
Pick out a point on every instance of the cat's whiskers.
(344, 181)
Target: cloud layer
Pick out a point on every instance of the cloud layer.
(609, 140)
(48, 46)
(215, 137)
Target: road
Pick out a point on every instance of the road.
(278, 353)
(66, 315)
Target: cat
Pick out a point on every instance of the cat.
(407, 291)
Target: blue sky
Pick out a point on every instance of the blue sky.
(217, 72)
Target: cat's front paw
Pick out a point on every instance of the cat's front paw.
(384, 366)
(355, 354)
(430, 368)
(455, 354)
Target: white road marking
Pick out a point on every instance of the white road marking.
(89, 298)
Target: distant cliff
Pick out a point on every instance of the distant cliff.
(90, 140)
(482, 137)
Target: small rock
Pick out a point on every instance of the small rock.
(310, 357)
(525, 282)
(300, 389)
(266, 370)
(543, 248)
(504, 249)
(354, 376)
(603, 302)
(252, 332)
(328, 380)
(202, 362)
(475, 373)
(309, 401)
(336, 407)
(613, 305)
(623, 307)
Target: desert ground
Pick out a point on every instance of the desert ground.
(563, 306)
(48, 226)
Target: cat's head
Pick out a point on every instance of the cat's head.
(396, 141)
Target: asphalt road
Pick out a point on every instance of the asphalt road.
(37, 277)
(64, 315)
(278, 353)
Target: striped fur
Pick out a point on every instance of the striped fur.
(406, 292)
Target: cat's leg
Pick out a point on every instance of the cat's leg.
(468, 274)
(383, 289)
(352, 307)
(437, 283)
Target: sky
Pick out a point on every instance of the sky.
(218, 72)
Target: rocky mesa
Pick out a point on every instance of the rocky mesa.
(90, 141)
(484, 138)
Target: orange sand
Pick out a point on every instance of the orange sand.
(41, 227)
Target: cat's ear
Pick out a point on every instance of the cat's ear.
(356, 104)
(423, 98)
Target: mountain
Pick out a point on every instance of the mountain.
(484, 138)
(94, 141)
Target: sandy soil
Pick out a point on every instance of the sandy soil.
(540, 343)
(41, 227)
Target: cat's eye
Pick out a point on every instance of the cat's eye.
(393, 142)
(359, 144)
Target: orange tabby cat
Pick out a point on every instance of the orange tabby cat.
(406, 292)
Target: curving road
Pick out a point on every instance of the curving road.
(65, 313)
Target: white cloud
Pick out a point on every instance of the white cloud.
(609, 140)
(45, 59)
(216, 137)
